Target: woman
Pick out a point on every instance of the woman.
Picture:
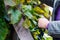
(53, 27)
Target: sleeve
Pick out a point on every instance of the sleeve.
(54, 29)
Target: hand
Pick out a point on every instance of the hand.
(42, 22)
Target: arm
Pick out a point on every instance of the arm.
(54, 29)
(54, 26)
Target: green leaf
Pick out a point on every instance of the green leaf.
(3, 29)
(26, 23)
(28, 14)
(17, 1)
(3, 24)
(15, 16)
(9, 2)
(26, 8)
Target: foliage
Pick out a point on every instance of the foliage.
(30, 10)
(15, 16)
(3, 25)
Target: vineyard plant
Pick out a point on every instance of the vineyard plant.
(29, 10)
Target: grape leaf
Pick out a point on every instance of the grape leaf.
(15, 16)
(3, 29)
(9, 2)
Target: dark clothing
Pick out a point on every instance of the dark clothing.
(55, 8)
(58, 14)
(54, 26)
(48, 2)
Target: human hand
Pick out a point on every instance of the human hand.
(42, 22)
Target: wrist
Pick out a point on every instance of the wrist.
(47, 25)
